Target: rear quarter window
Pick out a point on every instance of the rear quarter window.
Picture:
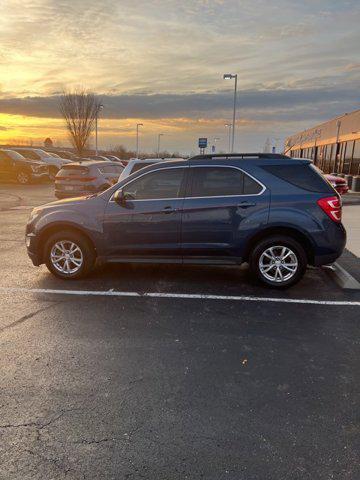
(302, 176)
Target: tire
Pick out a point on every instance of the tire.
(81, 262)
(281, 267)
(23, 177)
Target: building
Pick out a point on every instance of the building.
(334, 145)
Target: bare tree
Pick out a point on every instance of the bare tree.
(79, 110)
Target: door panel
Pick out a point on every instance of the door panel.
(146, 227)
(217, 226)
(5, 167)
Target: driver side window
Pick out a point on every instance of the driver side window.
(156, 185)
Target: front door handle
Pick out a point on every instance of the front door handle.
(246, 204)
(170, 210)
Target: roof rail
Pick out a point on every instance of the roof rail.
(242, 155)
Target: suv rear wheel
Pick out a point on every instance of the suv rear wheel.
(69, 255)
(278, 261)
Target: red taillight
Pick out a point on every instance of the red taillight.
(332, 207)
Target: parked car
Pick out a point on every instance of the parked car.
(14, 166)
(65, 154)
(85, 178)
(54, 162)
(114, 158)
(339, 183)
(100, 158)
(274, 212)
(135, 164)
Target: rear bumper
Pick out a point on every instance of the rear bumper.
(330, 246)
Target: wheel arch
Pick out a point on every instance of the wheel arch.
(52, 228)
(292, 232)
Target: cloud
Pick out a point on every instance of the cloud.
(276, 104)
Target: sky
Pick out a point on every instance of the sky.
(161, 63)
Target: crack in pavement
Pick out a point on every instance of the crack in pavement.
(39, 426)
(27, 317)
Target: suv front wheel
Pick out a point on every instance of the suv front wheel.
(278, 261)
(69, 255)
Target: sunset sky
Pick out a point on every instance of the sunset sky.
(160, 62)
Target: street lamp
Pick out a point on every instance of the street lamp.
(100, 107)
(228, 125)
(158, 143)
(137, 138)
(230, 76)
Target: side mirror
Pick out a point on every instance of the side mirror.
(121, 197)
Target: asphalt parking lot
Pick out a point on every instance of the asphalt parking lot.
(172, 372)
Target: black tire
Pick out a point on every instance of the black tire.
(277, 242)
(23, 177)
(87, 252)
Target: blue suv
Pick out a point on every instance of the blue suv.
(276, 213)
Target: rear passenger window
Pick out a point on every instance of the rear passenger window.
(221, 182)
(302, 176)
(216, 182)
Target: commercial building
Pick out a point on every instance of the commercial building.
(334, 145)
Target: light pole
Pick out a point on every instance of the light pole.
(137, 138)
(100, 107)
(158, 143)
(230, 76)
(228, 125)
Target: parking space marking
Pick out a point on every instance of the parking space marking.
(186, 296)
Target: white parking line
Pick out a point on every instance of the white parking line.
(186, 296)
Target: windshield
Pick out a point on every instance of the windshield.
(16, 156)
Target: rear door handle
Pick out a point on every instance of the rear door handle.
(246, 204)
(170, 210)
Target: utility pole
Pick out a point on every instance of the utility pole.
(137, 138)
(230, 76)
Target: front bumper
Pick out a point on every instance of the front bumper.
(32, 249)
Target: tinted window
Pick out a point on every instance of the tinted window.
(4, 156)
(251, 187)
(302, 176)
(15, 155)
(160, 184)
(216, 182)
(111, 169)
(29, 154)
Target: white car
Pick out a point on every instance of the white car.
(135, 164)
(51, 159)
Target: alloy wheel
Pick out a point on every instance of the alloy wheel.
(23, 178)
(278, 263)
(66, 257)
